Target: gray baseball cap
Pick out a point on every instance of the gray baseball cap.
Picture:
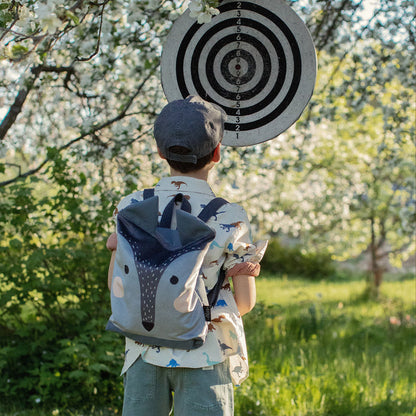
(193, 123)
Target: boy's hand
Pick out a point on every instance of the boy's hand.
(112, 242)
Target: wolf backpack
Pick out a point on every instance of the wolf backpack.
(158, 296)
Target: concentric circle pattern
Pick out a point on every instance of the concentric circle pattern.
(256, 59)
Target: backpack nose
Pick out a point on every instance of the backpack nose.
(148, 325)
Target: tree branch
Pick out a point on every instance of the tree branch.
(20, 99)
(97, 46)
(325, 15)
(14, 165)
(15, 20)
(16, 107)
(94, 130)
(348, 52)
(327, 35)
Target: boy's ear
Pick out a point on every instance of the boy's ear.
(217, 154)
(160, 154)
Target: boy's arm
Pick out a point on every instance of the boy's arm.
(112, 246)
(110, 269)
(242, 257)
(244, 292)
(244, 276)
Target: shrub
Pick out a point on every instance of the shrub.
(54, 350)
(293, 261)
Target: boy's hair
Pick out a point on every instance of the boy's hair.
(186, 167)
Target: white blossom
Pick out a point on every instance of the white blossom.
(202, 11)
(47, 16)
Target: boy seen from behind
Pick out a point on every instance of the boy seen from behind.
(188, 135)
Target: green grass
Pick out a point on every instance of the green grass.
(322, 348)
(326, 349)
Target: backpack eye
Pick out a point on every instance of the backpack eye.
(174, 280)
(126, 269)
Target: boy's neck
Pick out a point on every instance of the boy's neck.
(197, 174)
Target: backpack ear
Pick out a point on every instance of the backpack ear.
(192, 229)
(143, 214)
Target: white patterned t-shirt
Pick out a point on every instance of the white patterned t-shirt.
(232, 246)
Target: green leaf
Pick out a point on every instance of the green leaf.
(19, 50)
(78, 374)
(51, 152)
(15, 244)
(5, 18)
(72, 16)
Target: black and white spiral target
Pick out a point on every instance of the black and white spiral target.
(256, 59)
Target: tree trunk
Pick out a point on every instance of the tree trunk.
(376, 271)
(378, 277)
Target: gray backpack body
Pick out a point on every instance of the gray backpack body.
(158, 296)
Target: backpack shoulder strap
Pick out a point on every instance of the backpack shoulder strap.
(166, 219)
(211, 208)
(148, 193)
(213, 294)
(209, 211)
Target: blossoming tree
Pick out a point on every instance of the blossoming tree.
(79, 91)
(79, 80)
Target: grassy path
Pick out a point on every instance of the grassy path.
(323, 349)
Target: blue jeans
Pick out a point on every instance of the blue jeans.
(150, 390)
